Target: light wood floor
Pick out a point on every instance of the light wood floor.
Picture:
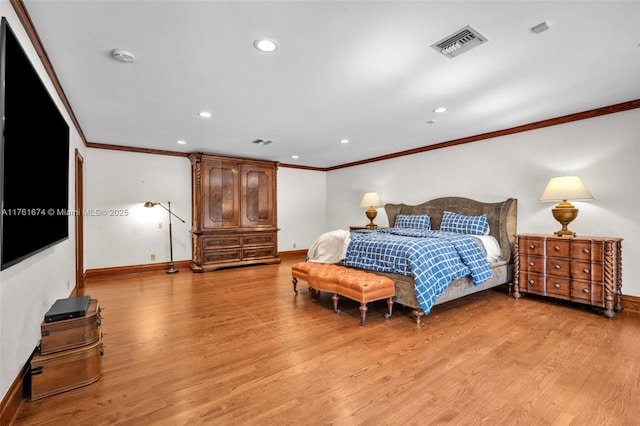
(237, 347)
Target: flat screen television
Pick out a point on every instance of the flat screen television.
(34, 156)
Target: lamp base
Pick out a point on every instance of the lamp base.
(565, 232)
(172, 270)
(565, 213)
(371, 214)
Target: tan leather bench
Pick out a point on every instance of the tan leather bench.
(361, 286)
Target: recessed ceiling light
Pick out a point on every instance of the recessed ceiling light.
(344, 140)
(181, 142)
(440, 109)
(123, 56)
(265, 45)
(295, 157)
(204, 114)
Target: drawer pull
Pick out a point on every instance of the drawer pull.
(531, 282)
(586, 271)
(531, 264)
(556, 248)
(585, 251)
(586, 291)
(532, 246)
(557, 285)
(557, 266)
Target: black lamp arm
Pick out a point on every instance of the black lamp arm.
(170, 212)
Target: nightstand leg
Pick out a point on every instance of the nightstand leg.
(516, 273)
(516, 291)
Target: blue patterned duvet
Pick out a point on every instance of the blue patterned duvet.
(433, 258)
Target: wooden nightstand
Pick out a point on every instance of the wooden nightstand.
(358, 228)
(585, 270)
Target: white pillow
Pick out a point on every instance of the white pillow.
(491, 246)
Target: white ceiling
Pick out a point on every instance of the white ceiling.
(362, 70)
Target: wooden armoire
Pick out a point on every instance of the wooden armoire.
(234, 212)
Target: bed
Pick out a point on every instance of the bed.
(502, 219)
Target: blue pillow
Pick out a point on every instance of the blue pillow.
(461, 224)
(414, 221)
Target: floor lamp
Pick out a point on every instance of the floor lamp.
(171, 270)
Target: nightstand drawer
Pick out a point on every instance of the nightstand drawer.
(532, 264)
(531, 246)
(586, 271)
(558, 248)
(587, 250)
(559, 287)
(589, 292)
(532, 283)
(558, 267)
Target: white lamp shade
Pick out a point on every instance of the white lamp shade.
(566, 188)
(371, 199)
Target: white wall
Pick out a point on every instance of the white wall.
(603, 151)
(119, 230)
(122, 181)
(29, 288)
(302, 214)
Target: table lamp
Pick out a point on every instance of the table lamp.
(563, 189)
(371, 200)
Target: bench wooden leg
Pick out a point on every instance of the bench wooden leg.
(294, 280)
(390, 305)
(314, 294)
(335, 303)
(363, 313)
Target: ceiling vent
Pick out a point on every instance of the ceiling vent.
(460, 42)
(261, 142)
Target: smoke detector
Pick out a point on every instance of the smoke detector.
(261, 142)
(459, 42)
(123, 56)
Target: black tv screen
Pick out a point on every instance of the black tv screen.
(34, 156)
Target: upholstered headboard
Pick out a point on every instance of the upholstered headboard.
(502, 216)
